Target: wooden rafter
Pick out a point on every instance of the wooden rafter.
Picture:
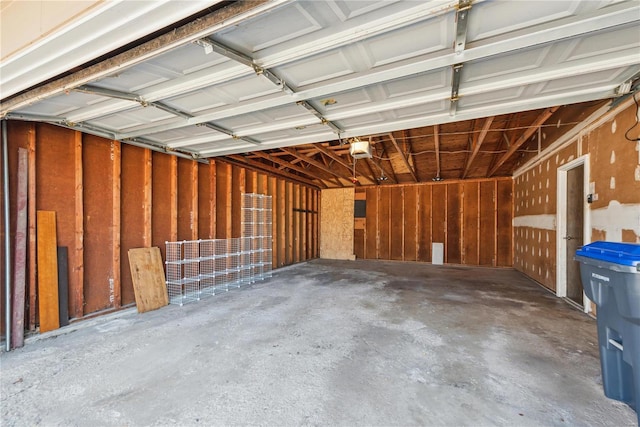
(436, 139)
(284, 164)
(313, 162)
(384, 155)
(477, 143)
(372, 173)
(329, 153)
(543, 117)
(403, 157)
(408, 149)
(391, 177)
(327, 163)
(243, 161)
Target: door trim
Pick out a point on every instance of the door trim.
(561, 225)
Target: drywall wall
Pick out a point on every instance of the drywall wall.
(336, 224)
(472, 218)
(111, 197)
(613, 164)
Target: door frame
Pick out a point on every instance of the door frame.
(561, 225)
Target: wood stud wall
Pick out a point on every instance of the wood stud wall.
(402, 221)
(110, 197)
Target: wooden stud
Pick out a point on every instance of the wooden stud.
(31, 205)
(396, 223)
(289, 223)
(194, 200)
(279, 215)
(212, 199)
(228, 188)
(147, 191)
(115, 227)
(410, 231)
(174, 198)
(76, 294)
(436, 139)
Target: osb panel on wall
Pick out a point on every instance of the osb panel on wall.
(615, 178)
(463, 215)
(614, 169)
(336, 224)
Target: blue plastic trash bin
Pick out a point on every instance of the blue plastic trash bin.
(610, 274)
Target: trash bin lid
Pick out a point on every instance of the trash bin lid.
(615, 252)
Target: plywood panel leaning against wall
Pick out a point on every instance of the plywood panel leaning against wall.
(147, 272)
(336, 224)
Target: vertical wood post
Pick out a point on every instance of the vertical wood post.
(115, 223)
(147, 194)
(173, 210)
(76, 294)
(31, 147)
(20, 252)
(194, 200)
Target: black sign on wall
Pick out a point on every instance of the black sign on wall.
(360, 209)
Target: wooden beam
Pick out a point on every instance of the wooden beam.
(31, 203)
(146, 203)
(374, 178)
(115, 221)
(76, 295)
(406, 138)
(313, 162)
(264, 168)
(212, 199)
(333, 156)
(375, 160)
(477, 144)
(20, 252)
(543, 117)
(436, 139)
(390, 177)
(403, 157)
(173, 190)
(336, 180)
(194, 200)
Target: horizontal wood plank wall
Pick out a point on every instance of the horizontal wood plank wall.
(473, 219)
(111, 197)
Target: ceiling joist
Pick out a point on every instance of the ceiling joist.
(403, 157)
(523, 138)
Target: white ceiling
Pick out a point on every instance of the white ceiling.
(301, 71)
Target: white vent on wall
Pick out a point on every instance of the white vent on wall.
(360, 149)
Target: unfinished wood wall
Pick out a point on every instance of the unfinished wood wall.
(473, 219)
(110, 197)
(614, 165)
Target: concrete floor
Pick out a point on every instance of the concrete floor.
(326, 343)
